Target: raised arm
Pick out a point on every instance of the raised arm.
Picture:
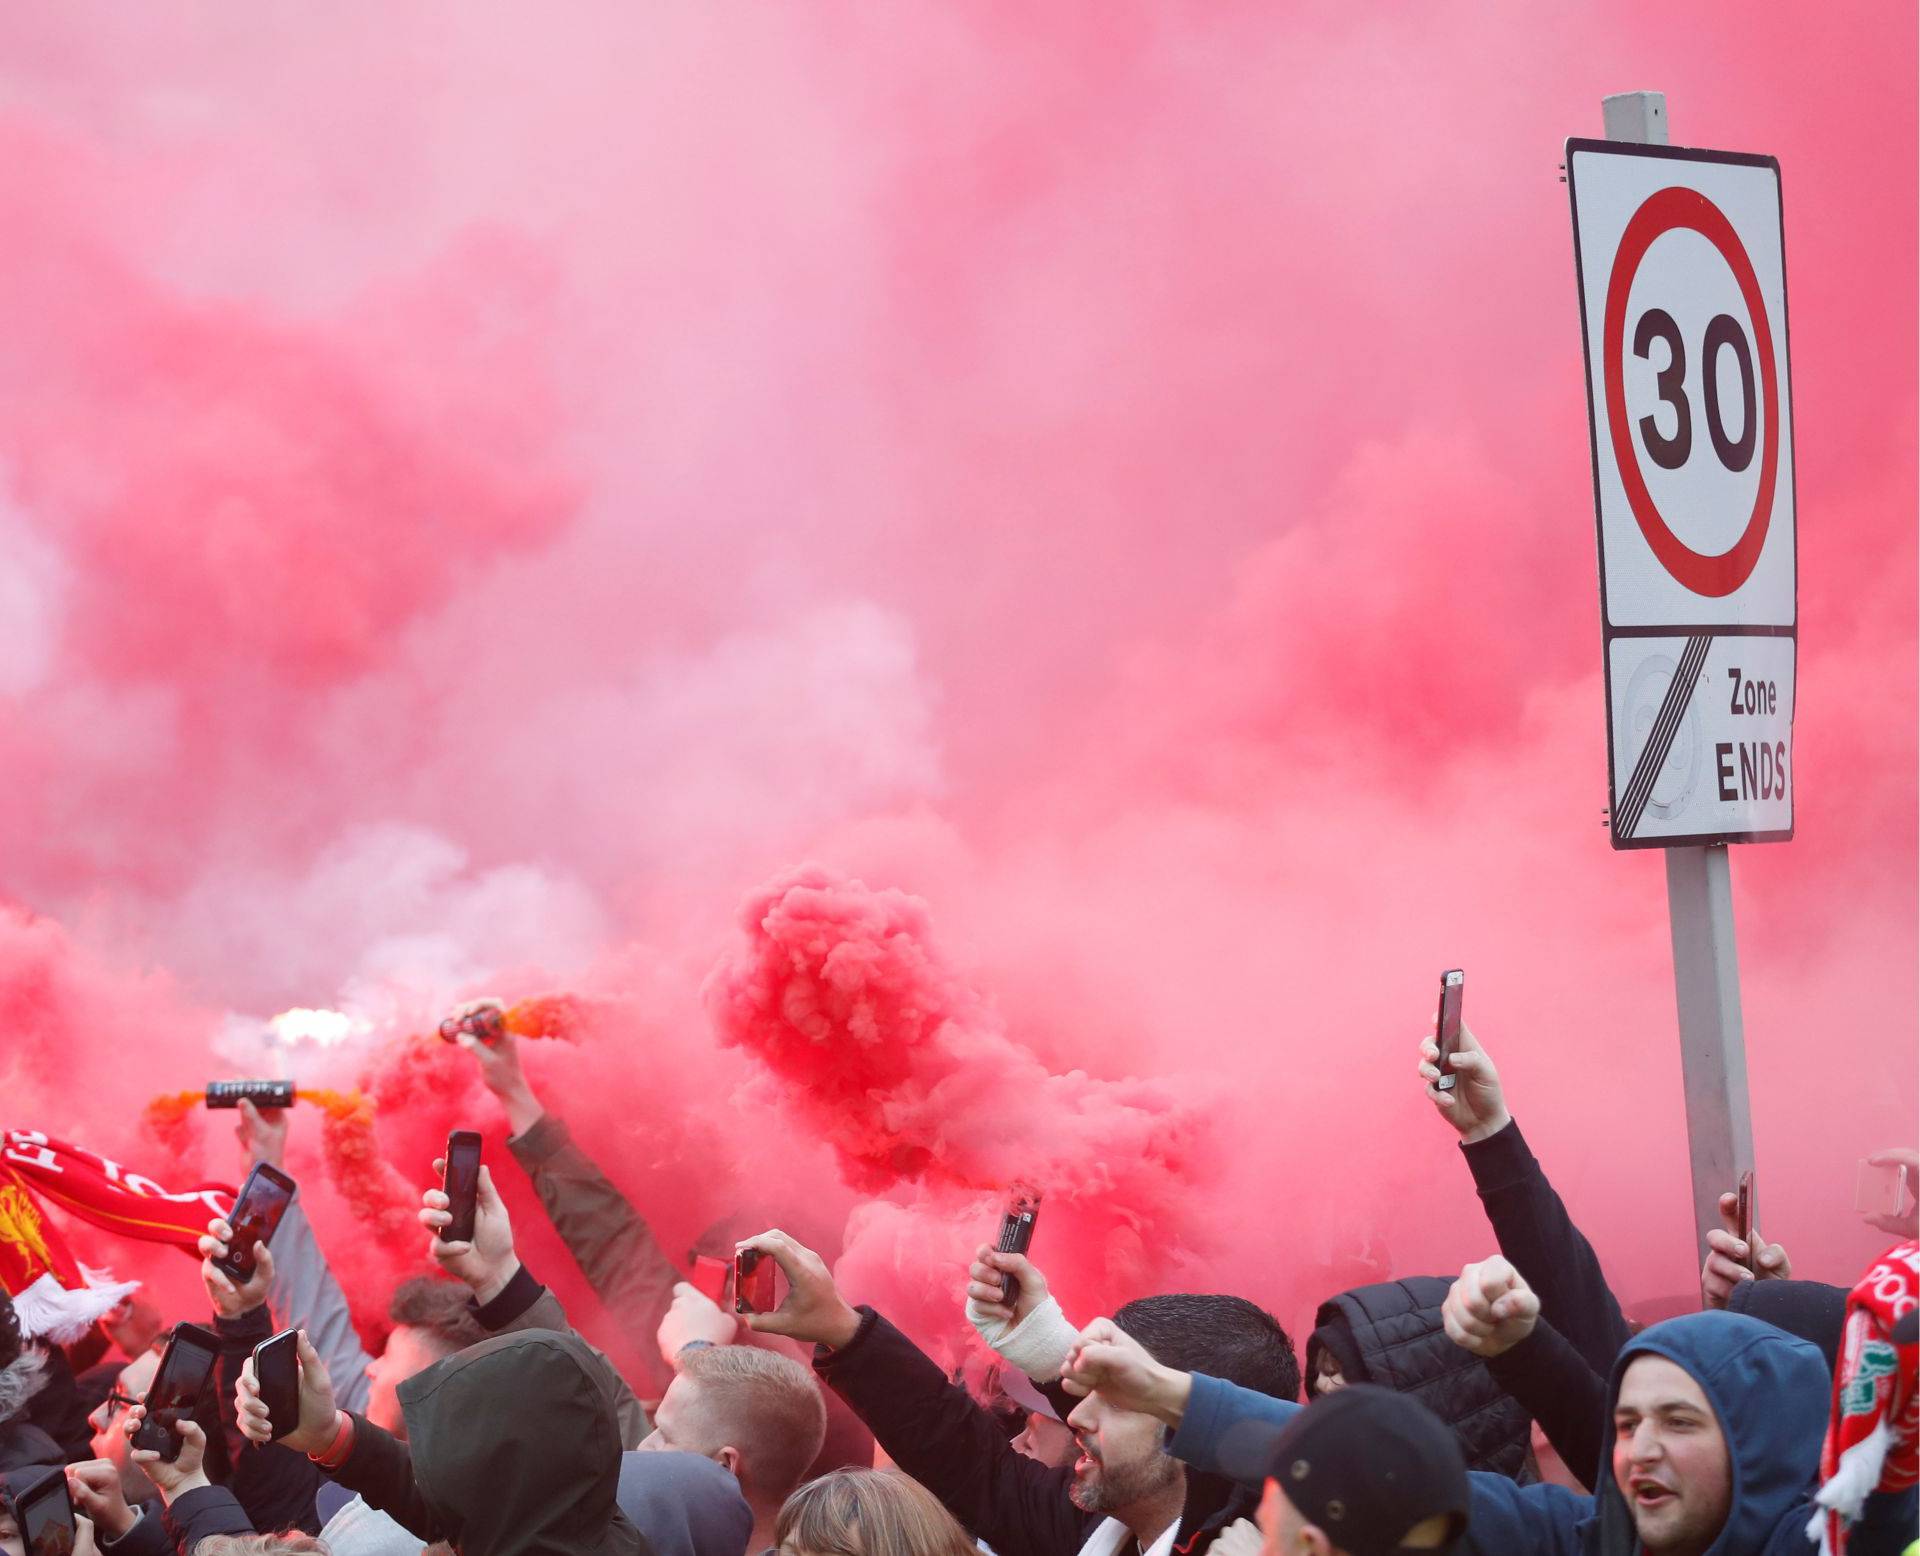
(929, 1427)
(1529, 1222)
(304, 1292)
(356, 1453)
(614, 1248)
(506, 1297)
(273, 1486)
(1493, 1313)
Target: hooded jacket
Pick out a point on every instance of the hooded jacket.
(1768, 1389)
(1391, 1334)
(513, 1449)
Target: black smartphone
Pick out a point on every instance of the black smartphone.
(276, 1368)
(43, 1513)
(756, 1282)
(1016, 1236)
(184, 1371)
(263, 1200)
(461, 1184)
(1446, 1031)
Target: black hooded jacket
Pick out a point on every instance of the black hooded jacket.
(513, 1449)
(1391, 1334)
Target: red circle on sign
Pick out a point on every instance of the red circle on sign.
(1663, 211)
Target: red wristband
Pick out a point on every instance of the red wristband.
(335, 1453)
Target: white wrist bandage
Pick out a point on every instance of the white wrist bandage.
(1037, 1345)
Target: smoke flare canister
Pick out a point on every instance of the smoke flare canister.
(488, 1023)
(1016, 1234)
(262, 1094)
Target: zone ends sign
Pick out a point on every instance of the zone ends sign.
(1681, 264)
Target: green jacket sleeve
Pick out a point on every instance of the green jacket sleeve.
(614, 1248)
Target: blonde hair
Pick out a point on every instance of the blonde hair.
(764, 1404)
(293, 1543)
(868, 1513)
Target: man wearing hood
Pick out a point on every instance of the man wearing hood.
(1716, 1426)
(513, 1448)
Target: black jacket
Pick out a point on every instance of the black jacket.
(194, 1515)
(58, 1410)
(938, 1434)
(273, 1484)
(1392, 1333)
(513, 1450)
(1539, 1239)
(24, 1446)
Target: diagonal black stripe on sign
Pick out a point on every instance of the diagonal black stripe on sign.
(1666, 726)
(1653, 756)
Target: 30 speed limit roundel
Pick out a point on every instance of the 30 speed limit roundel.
(1665, 211)
(1681, 266)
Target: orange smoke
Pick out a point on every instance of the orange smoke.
(548, 1015)
(168, 1121)
(377, 1195)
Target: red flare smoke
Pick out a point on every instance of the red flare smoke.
(877, 1044)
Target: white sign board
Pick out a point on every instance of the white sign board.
(1683, 309)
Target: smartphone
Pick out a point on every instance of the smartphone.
(756, 1282)
(184, 1371)
(276, 1368)
(1446, 1030)
(710, 1277)
(263, 1200)
(1747, 1216)
(1880, 1189)
(461, 1185)
(43, 1513)
(1016, 1236)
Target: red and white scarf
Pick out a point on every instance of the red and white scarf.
(1875, 1425)
(56, 1297)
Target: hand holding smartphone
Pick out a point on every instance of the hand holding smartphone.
(183, 1373)
(1747, 1217)
(276, 1369)
(1446, 1028)
(461, 1184)
(756, 1282)
(43, 1515)
(257, 1212)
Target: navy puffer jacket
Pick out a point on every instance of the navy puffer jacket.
(1392, 1333)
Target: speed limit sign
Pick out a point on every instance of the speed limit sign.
(1683, 308)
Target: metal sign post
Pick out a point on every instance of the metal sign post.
(1688, 611)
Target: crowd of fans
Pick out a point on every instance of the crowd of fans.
(1513, 1409)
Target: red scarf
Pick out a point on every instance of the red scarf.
(1875, 1425)
(56, 1296)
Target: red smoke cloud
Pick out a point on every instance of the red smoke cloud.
(879, 1048)
(1118, 478)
